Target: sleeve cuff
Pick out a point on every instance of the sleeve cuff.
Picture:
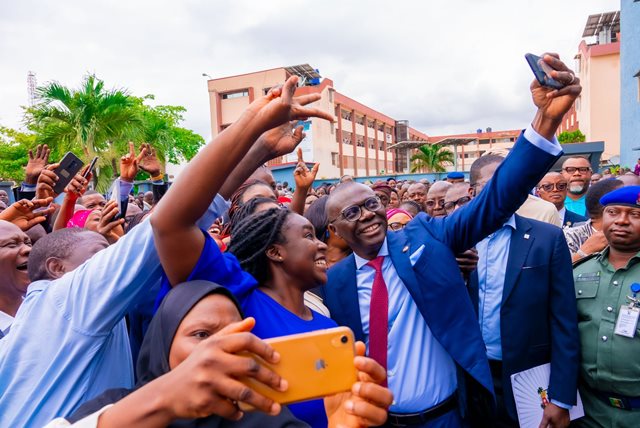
(125, 189)
(28, 187)
(158, 182)
(559, 404)
(551, 147)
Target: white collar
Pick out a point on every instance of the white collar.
(5, 322)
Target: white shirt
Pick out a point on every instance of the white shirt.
(5, 323)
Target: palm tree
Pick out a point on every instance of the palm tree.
(431, 158)
(90, 120)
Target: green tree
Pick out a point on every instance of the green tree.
(94, 121)
(567, 137)
(14, 149)
(431, 158)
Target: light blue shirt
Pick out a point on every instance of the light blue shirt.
(420, 372)
(578, 206)
(493, 255)
(68, 342)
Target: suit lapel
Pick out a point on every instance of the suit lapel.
(399, 251)
(347, 293)
(518, 250)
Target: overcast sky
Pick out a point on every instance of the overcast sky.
(446, 66)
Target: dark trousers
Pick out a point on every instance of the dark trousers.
(451, 419)
(501, 419)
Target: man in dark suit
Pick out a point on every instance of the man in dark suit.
(553, 188)
(523, 293)
(402, 293)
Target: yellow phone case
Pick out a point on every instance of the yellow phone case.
(315, 365)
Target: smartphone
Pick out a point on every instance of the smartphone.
(315, 365)
(542, 71)
(91, 166)
(69, 167)
(115, 196)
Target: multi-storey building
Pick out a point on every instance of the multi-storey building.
(596, 112)
(629, 82)
(359, 143)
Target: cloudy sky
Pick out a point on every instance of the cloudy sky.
(446, 66)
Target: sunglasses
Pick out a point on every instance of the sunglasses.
(450, 206)
(354, 212)
(432, 203)
(549, 187)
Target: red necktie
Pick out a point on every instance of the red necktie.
(378, 315)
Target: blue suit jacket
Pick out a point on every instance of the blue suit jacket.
(571, 218)
(538, 316)
(434, 282)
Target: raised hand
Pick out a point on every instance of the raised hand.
(111, 229)
(304, 177)
(554, 103)
(129, 163)
(281, 140)
(368, 401)
(149, 163)
(279, 106)
(36, 163)
(78, 185)
(46, 180)
(25, 213)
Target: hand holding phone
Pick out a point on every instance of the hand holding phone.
(315, 365)
(542, 72)
(67, 169)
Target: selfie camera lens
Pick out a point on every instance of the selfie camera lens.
(344, 339)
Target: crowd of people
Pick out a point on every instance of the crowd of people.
(150, 309)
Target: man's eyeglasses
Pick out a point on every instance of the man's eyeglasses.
(549, 187)
(431, 203)
(396, 226)
(354, 212)
(573, 169)
(450, 206)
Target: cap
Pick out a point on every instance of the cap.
(627, 195)
(455, 175)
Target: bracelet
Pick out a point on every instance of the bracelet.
(581, 253)
(158, 177)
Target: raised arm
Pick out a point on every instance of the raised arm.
(178, 240)
(533, 154)
(304, 180)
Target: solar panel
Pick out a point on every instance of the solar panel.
(596, 23)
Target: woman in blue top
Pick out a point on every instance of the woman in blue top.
(278, 247)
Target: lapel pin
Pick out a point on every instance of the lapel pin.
(526, 236)
(405, 249)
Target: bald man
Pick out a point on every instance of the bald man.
(435, 199)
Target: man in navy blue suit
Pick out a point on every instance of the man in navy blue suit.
(523, 293)
(402, 293)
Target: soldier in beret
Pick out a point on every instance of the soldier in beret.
(606, 285)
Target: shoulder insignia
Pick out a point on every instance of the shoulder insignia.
(585, 259)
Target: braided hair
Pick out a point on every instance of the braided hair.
(236, 200)
(247, 209)
(253, 235)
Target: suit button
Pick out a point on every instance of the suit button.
(579, 291)
(604, 338)
(609, 309)
(615, 282)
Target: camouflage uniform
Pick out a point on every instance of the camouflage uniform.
(610, 366)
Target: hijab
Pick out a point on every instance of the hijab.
(79, 218)
(153, 361)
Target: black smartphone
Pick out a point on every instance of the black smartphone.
(69, 167)
(91, 166)
(542, 71)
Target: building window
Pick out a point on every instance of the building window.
(265, 91)
(236, 94)
(346, 115)
(572, 119)
(334, 159)
(333, 128)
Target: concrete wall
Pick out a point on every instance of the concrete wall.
(629, 86)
